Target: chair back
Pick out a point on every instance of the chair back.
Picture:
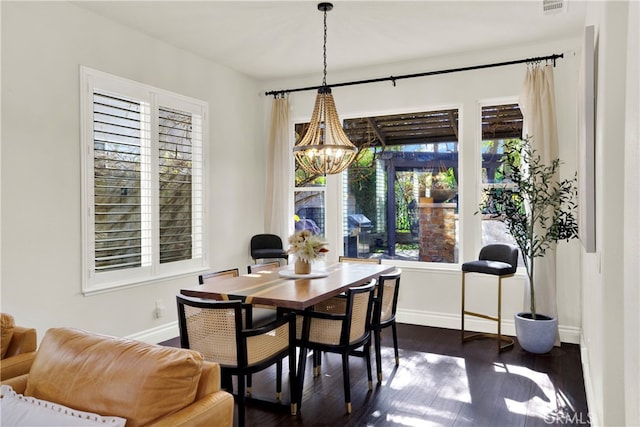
(346, 317)
(211, 327)
(265, 241)
(364, 260)
(211, 276)
(501, 252)
(254, 268)
(387, 296)
(361, 300)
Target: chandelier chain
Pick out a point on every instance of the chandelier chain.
(324, 50)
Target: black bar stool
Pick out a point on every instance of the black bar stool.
(497, 260)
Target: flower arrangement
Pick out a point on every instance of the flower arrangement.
(306, 246)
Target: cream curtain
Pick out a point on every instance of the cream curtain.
(279, 188)
(537, 102)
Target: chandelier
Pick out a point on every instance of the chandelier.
(325, 149)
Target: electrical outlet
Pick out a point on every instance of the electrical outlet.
(160, 309)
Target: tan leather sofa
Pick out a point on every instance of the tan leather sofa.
(149, 385)
(18, 348)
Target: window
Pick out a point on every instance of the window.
(400, 198)
(402, 192)
(143, 193)
(499, 123)
(309, 195)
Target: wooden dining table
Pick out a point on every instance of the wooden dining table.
(282, 288)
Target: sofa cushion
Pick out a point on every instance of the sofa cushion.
(113, 376)
(6, 331)
(19, 410)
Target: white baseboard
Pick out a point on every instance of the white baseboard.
(588, 384)
(568, 334)
(158, 334)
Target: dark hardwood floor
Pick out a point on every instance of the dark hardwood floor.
(439, 382)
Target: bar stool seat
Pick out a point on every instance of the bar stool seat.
(499, 260)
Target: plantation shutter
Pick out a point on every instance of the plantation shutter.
(121, 207)
(143, 182)
(175, 184)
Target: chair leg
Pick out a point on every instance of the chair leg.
(504, 342)
(314, 361)
(302, 364)
(278, 379)
(499, 312)
(316, 355)
(293, 384)
(241, 400)
(347, 383)
(367, 355)
(226, 382)
(501, 339)
(395, 342)
(462, 313)
(376, 342)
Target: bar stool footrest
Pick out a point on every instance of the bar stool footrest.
(502, 338)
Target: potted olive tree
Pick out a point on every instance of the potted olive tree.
(538, 210)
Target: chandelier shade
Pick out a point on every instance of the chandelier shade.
(325, 149)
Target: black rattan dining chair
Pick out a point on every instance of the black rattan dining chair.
(384, 314)
(254, 315)
(215, 329)
(339, 330)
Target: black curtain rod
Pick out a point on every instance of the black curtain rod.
(428, 73)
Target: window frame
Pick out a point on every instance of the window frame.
(92, 80)
(469, 182)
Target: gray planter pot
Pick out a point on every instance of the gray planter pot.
(536, 336)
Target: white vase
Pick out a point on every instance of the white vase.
(536, 336)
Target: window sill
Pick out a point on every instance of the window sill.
(434, 267)
(97, 290)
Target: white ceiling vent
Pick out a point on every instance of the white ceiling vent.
(554, 7)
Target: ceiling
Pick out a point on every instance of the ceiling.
(280, 39)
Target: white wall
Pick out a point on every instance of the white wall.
(632, 222)
(431, 296)
(43, 45)
(610, 315)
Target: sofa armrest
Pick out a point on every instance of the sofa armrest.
(16, 365)
(18, 384)
(209, 379)
(24, 340)
(215, 409)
